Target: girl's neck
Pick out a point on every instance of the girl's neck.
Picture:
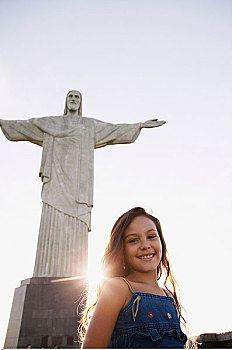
(147, 278)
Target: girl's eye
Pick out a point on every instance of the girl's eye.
(152, 236)
(134, 240)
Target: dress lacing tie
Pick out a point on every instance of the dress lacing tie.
(135, 312)
(136, 301)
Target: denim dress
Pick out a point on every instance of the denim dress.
(148, 321)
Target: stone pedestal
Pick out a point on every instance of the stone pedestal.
(211, 340)
(44, 313)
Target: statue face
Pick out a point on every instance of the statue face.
(73, 100)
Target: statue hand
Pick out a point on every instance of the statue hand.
(152, 123)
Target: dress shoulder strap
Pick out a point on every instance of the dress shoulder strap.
(129, 285)
(168, 293)
(178, 308)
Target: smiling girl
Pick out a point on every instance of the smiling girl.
(132, 310)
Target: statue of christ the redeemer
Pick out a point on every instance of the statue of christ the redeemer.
(66, 170)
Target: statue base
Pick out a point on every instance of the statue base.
(211, 340)
(44, 313)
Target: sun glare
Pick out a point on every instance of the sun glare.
(94, 274)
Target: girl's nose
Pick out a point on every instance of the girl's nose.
(145, 245)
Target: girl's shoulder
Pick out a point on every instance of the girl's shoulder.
(117, 284)
(115, 291)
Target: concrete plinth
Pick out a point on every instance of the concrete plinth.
(211, 340)
(44, 313)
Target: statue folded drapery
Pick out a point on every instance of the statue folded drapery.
(66, 171)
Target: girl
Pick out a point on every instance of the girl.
(132, 311)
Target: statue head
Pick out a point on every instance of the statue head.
(73, 102)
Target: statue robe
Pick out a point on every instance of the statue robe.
(67, 173)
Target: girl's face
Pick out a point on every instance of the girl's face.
(142, 245)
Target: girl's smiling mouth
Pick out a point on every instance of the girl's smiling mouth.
(146, 257)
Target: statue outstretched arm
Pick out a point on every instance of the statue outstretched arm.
(152, 123)
(112, 134)
(22, 130)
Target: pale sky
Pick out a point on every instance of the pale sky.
(132, 60)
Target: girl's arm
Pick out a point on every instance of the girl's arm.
(112, 299)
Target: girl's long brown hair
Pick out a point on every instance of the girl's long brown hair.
(114, 263)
